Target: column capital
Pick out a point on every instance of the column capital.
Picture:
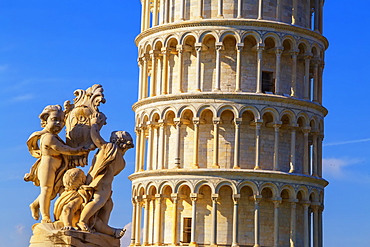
(151, 124)
(175, 196)
(194, 196)
(306, 129)
(294, 52)
(180, 48)
(238, 121)
(158, 196)
(177, 121)
(239, 46)
(277, 125)
(196, 120)
(257, 198)
(198, 47)
(236, 198)
(165, 51)
(260, 47)
(279, 50)
(306, 203)
(257, 122)
(162, 122)
(214, 197)
(308, 56)
(219, 46)
(216, 120)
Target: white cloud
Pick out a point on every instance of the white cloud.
(20, 229)
(335, 167)
(346, 142)
(126, 239)
(23, 97)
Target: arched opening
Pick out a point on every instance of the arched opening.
(227, 139)
(208, 63)
(206, 139)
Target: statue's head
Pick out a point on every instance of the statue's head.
(73, 179)
(52, 118)
(122, 139)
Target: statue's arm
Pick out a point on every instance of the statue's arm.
(60, 147)
(95, 136)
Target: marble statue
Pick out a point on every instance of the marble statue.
(84, 203)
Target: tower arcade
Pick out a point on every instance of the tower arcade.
(229, 124)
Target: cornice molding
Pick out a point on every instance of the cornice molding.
(233, 22)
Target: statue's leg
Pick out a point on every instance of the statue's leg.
(46, 174)
(35, 207)
(104, 212)
(100, 198)
(101, 227)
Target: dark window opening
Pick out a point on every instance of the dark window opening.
(187, 230)
(268, 85)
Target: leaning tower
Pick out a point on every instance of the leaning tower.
(229, 124)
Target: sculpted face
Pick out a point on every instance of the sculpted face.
(55, 122)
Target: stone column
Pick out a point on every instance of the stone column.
(196, 122)
(316, 82)
(277, 203)
(147, 14)
(260, 9)
(276, 146)
(258, 124)
(257, 199)
(180, 51)
(214, 220)
(165, 71)
(155, 13)
(278, 52)
(260, 49)
(166, 12)
(217, 86)
(237, 122)
(220, 8)
(293, 219)
(138, 221)
(193, 197)
(142, 148)
(145, 75)
(198, 48)
(315, 209)
(317, 15)
(161, 11)
(178, 142)
(161, 144)
(216, 122)
(133, 225)
(240, 8)
(146, 200)
(321, 67)
(200, 8)
(307, 60)
(319, 154)
(295, 12)
(278, 10)
(182, 10)
(306, 225)
(149, 157)
(314, 154)
(153, 80)
(137, 153)
(143, 15)
(294, 55)
(175, 199)
(158, 220)
(292, 148)
(239, 48)
(306, 164)
(140, 89)
(321, 233)
(235, 243)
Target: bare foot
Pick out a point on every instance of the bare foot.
(84, 227)
(46, 220)
(68, 228)
(34, 211)
(118, 233)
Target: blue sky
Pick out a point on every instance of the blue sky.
(48, 49)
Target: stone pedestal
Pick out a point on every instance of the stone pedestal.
(49, 235)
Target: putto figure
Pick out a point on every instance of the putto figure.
(107, 163)
(52, 160)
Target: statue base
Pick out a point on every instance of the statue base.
(50, 235)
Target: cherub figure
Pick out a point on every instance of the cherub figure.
(68, 206)
(52, 160)
(107, 163)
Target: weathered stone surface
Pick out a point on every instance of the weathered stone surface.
(49, 235)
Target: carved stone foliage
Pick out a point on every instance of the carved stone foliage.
(77, 119)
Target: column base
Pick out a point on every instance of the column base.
(236, 167)
(235, 245)
(195, 166)
(213, 245)
(193, 244)
(257, 168)
(215, 166)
